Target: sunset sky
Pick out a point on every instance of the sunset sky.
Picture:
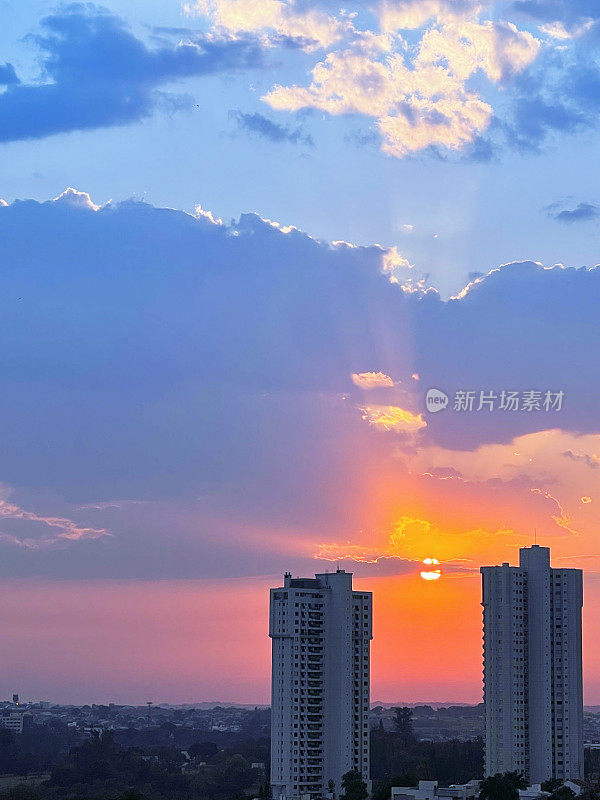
(239, 242)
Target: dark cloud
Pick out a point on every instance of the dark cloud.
(267, 129)
(558, 94)
(523, 327)
(155, 356)
(8, 76)
(96, 73)
(568, 12)
(584, 212)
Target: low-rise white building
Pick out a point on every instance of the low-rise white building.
(13, 721)
(431, 790)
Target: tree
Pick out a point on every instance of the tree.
(551, 785)
(331, 787)
(562, 793)
(403, 721)
(353, 786)
(265, 791)
(591, 790)
(203, 750)
(502, 786)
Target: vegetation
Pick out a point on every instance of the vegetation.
(399, 759)
(102, 769)
(502, 786)
(353, 786)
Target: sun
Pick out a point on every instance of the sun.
(432, 572)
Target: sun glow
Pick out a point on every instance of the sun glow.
(432, 571)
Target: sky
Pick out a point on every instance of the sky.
(287, 285)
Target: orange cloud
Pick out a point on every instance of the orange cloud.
(393, 418)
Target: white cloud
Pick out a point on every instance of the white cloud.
(414, 107)
(499, 49)
(417, 101)
(63, 529)
(75, 198)
(371, 380)
(416, 91)
(315, 27)
(413, 14)
(557, 30)
(202, 213)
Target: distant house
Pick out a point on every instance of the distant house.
(12, 721)
(431, 790)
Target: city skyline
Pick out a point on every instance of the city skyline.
(286, 284)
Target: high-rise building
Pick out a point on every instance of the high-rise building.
(532, 668)
(321, 632)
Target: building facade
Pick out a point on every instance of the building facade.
(12, 721)
(321, 630)
(533, 688)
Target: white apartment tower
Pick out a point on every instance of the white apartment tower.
(532, 668)
(321, 632)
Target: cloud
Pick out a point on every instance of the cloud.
(417, 102)
(96, 73)
(393, 418)
(561, 18)
(407, 65)
(63, 530)
(591, 461)
(425, 72)
(413, 14)
(8, 76)
(371, 380)
(584, 212)
(76, 199)
(310, 28)
(203, 369)
(265, 128)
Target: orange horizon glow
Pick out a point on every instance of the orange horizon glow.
(193, 641)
